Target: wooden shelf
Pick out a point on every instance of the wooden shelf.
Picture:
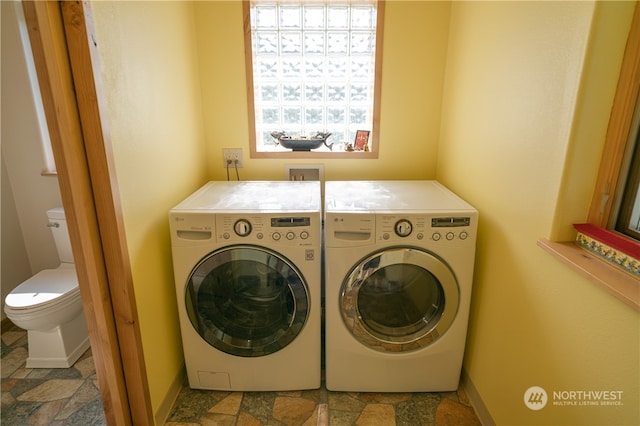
(620, 284)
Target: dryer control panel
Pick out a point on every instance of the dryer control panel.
(291, 230)
(407, 228)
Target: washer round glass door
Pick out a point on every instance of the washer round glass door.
(399, 299)
(247, 301)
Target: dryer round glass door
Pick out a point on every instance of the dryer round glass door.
(399, 299)
(247, 301)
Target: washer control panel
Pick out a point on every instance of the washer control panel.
(408, 228)
(450, 227)
(242, 227)
(403, 228)
(294, 230)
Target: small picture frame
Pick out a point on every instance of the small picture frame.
(362, 139)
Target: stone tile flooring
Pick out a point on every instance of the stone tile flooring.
(67, 397)
(321, 407)
(46, 396)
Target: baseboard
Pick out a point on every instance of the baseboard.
(164, 410)
(476, 400)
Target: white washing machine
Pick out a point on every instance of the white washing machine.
(246, 259)
(399, 258)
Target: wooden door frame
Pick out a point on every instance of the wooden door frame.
(66, 59)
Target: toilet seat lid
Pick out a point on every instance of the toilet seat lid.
(43, 288)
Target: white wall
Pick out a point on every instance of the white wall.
(14, 265)
(27, 244)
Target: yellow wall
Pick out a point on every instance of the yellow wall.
(150, 76)
(527, 97)
(174, 78)
(515, 85)
(415, 42)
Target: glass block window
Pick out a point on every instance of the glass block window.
(313, 69)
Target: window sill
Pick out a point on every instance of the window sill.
(618, 283)
(355, 155)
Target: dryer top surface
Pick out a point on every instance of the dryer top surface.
(392, 196)
(254, 196)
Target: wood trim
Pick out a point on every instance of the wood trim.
(618, 283)
(619, 127)
(48, 43)
(313, 155)
(377, 91)
(80, 34)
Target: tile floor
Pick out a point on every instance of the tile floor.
(43, 396)
(321, 407)
(66, 397)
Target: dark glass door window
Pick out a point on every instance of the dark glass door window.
(399, 299)
(247, 301)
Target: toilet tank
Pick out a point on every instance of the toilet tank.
(58, 226)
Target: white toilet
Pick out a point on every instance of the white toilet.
(49, 307)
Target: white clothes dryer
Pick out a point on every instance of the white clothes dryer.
(246, 259)
(399, 259)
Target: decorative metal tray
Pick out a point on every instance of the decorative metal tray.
(302, 143)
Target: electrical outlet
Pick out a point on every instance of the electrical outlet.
(304, 172)
(232, 155)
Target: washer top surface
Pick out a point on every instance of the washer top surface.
(254, 196)
(391, 196)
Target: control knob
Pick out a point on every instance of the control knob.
(403, 228)
(242, 227)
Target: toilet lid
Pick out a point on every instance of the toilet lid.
(43, 288)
